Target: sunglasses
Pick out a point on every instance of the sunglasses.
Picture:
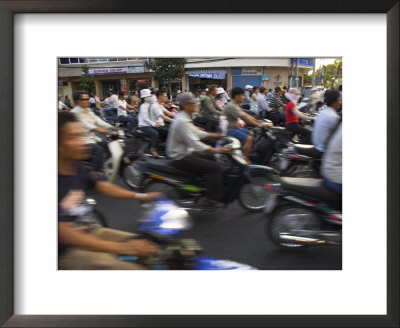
(84, 98)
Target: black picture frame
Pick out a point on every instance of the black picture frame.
(7, 11)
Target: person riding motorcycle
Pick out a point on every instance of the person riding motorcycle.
(233, 113)
(81, 244)
(293, 114)
(159, 114)
(327, 120)
(184, 146)
(92, 124)
(210, 111)
(146, 124)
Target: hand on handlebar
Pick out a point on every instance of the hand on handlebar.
(224, 150)
(148, 196)
(139, 247)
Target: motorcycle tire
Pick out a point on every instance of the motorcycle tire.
(286, 219)
(132, 177)
(253, 196)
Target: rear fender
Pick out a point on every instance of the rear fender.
(257, 170)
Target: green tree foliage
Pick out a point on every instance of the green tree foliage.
(307, 79)
(86, 81)
(167, 69)
(333, 73)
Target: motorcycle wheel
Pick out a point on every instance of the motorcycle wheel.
(166, 189)
(287, 219)
(253, 196)
(131, 176)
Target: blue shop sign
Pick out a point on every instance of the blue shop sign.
(213, 74)
(265, 77)
(235, 71)
(303, 61)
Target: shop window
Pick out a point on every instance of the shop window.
(74, 60)
(64, 60)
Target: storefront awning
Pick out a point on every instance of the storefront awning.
(215, 74)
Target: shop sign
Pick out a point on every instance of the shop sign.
(108, 70)
(303, 61)
(208, 74)
(136, 69)
(235, 71)
(252, 70)
(116, 70)
(143, 81)
(265, 77)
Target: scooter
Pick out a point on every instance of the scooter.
(163, 221)
(241, 181)
(276, 148)
(303, 212)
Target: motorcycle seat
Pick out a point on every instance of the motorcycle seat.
(166, 166)
(309, 187)
(308, 150)
(282, 133)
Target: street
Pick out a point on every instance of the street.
(230, 233)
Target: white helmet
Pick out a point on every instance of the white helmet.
(144, 93)
(220, 90)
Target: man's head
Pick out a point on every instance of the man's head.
(256, 89)
(278, 90)
(333, 99)
(212, 90)
(237, 95)
(263, 90)
(71, 145)
(81, 98)
(121, 96)
(188, 103)
(269, 90)
(161, 96)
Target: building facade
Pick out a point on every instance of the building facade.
(111, 75)
(238, 72)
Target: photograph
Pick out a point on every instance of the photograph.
(199, 137)
(193, 163)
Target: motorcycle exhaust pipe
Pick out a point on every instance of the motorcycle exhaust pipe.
(300, 240)
(285, 237)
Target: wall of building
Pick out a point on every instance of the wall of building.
(65, 91)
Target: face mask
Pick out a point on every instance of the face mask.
(148, 99)
(203, 97)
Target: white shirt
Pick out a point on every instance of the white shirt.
(61, 105)
(184, 138)
(156, 110)
(92, 100)
(225, 98)
(107, 101)
(144, 115)
(331, 167)
(326, 121)
(90, 121)
(113, 101)
(121, 108)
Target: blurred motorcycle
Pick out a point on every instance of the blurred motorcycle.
(303, 212)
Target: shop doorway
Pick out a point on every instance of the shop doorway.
(137, 85)
(109, 86)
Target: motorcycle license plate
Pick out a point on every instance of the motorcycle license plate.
(271, 203)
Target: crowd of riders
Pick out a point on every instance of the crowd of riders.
(189, 125)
